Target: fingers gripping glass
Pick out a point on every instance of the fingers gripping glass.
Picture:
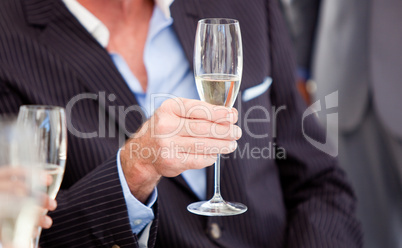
(218, 65)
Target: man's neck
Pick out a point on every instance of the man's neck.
(115, 13)
(128, 24)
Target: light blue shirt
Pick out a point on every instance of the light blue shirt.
(168, 73)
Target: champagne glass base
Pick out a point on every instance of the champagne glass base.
(208, 208)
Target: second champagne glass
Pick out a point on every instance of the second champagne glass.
(20, 186)
(50, 133)
(218, 65)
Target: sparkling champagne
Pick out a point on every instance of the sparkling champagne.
(218, 89)
(57, 173)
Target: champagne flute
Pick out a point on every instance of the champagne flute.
(218, 65)
(20, 185)
(49, 125)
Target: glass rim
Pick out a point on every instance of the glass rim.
(43, 107)
(217, 21)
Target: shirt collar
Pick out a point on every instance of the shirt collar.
(95, 27)
(164, 5)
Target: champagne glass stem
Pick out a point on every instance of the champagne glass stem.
(35, 241)
(217, 198)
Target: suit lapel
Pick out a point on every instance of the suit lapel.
(186, 14)
(65, 37)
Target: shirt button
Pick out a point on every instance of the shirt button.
(137, 222)
(215, 231)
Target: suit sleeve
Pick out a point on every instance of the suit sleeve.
(320, 202)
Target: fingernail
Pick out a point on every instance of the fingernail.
(52, 204)
(238, 132)
(48, 221)
(235, 110)
(230, 117)
(233, 145)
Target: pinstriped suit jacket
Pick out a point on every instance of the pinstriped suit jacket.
(46, 57)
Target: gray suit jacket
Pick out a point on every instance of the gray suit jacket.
(365, 36)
